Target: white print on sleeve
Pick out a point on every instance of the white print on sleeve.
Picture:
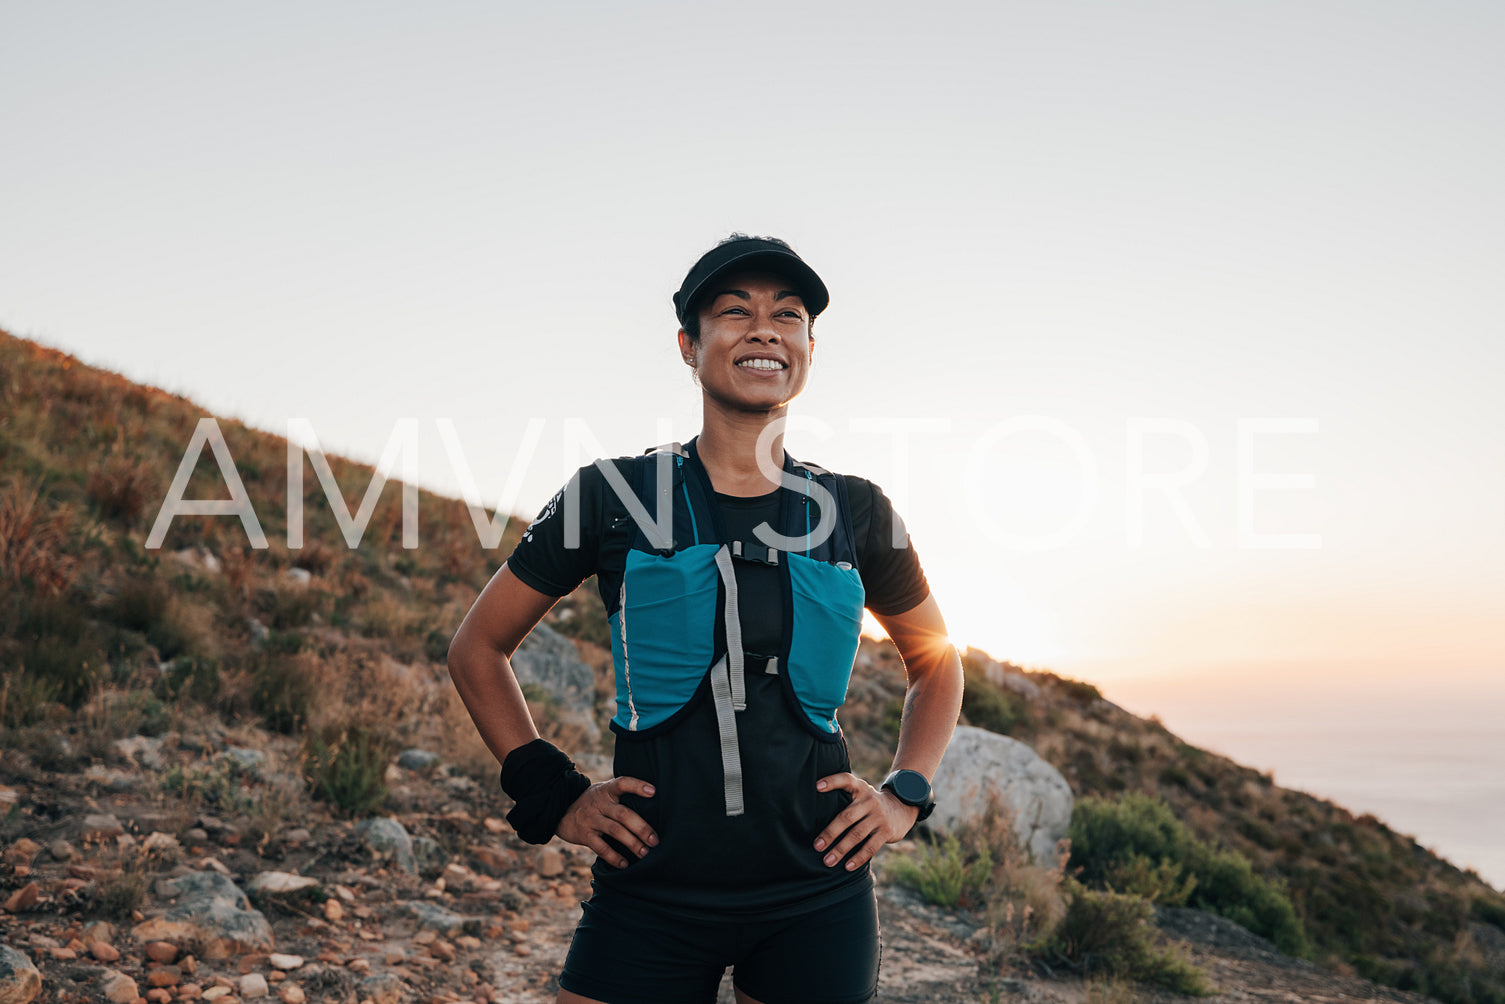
(548, 510)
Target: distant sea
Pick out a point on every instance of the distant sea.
(1429, 764)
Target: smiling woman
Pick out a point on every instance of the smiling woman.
(735, 579)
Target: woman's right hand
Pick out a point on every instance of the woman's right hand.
(599, 813)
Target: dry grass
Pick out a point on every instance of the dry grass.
(34, 535)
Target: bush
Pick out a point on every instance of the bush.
(944, 872)
(989, 706)
(57, 660)
(189, 677)
(1136, 843)
(1109, 934)
(282, 692)
(346, 765)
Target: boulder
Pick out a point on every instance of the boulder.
(212, 916)
(979, 762)
(20, 981)
(549, 661)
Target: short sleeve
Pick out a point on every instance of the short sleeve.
(549, 557)
(886, 557)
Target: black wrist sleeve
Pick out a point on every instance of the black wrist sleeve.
(544, 783)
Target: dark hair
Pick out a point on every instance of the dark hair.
(692, 315)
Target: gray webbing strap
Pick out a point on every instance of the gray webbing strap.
(733, 628)
(728, 689)
(726, 722)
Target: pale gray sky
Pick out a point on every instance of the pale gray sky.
(1092, 212)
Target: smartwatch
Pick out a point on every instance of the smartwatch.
(911, 788)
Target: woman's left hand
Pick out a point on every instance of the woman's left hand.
(875, 817)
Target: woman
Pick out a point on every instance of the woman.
(734, 833)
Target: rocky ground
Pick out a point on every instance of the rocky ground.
(175, 873)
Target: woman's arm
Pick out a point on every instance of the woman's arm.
(480, 663)
(933, 699)
(932, 704)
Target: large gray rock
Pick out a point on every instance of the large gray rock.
(979, 762)
(549, 660)
(20, 981)
(212, 918)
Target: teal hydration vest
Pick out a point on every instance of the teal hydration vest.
(675, 618)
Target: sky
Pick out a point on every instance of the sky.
(1171, 328)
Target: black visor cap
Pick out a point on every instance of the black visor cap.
(754, 254)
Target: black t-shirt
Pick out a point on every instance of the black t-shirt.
(761, 865)
(892, 578)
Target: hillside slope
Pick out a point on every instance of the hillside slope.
(103, 640)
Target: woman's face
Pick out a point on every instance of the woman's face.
(755, 346)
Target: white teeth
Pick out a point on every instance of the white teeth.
(762, 364)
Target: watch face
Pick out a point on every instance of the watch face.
(910, 786)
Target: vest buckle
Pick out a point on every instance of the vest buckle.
(747, 550)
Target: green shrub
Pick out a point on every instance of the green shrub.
(1079, 691)
(58, 659)
(1136, 843)
(282, 692)
(346, 765)
(194, 678)
(218, 786)
(989, 706)
(1227, 885)
(1109, 934)
(944, 872)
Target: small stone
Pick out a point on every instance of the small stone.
(189, 964)
(99, 930)
(442, 950)
(164, 976)
(281, 882)
(117, 987)
(280, 961)
(550, 862)
(61, 955)
(197, 835)
(161, 951)
(22, 851)
(292, 994)
(23, 898)
(190, 992)
(215, 993)
(253, 985)
(104, 951)
(468, 942)
(417, 760)
(160, 843)
(159, 994)
(359, 965)
(522, 950)
(333, 911)
(384, 988)
(100, 826)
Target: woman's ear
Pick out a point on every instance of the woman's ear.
(686, 347)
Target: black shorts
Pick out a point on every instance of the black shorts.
(626, 951)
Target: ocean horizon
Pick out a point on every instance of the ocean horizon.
(1432, 770)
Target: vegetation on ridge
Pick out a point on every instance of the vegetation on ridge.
(103, 639)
